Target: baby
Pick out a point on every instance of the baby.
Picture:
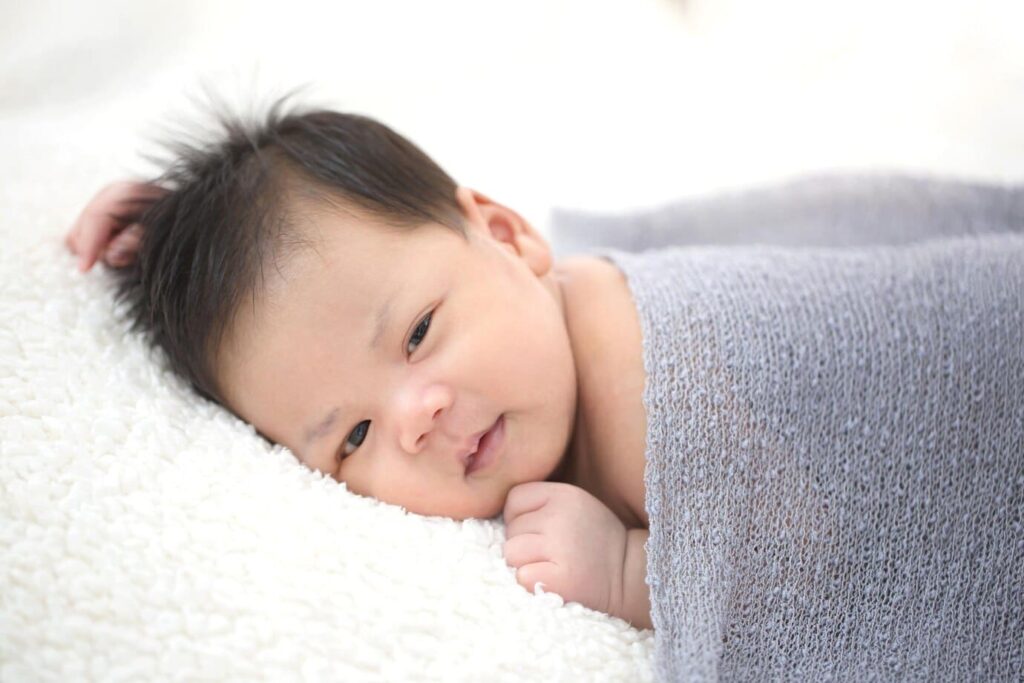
(325, 280)
(796, 462)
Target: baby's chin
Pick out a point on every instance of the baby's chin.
(459, 510)
(480, 510)
(483, 507)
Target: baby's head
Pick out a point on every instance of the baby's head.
(321, 277)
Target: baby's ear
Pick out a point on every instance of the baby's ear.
(506, 227)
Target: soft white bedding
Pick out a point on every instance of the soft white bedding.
(146, 534)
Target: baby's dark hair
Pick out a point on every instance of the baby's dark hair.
(228, 215)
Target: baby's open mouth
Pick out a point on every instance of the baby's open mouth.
(487, 448)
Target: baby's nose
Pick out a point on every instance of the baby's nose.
(419, 414)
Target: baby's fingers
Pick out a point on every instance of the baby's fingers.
(89, 237)
(526, 498)
(123, 247)
(545, 573)
(525, 549)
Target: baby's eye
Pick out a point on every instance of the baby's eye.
(355, 439)
(419, 333)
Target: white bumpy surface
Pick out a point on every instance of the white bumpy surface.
(147, 534)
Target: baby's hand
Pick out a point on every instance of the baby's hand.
(566, 539)
(108, 225)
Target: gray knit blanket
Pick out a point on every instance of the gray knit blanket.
(835, 458)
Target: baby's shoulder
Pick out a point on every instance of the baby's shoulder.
(594, 288)
(607, 347)
(590, 271)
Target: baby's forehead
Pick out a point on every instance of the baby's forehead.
(334, 249)
(341, 261)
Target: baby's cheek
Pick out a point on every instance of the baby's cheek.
(355, 479)
(479, 500)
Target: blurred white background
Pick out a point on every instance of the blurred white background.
(592, 104)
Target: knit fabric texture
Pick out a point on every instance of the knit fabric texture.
(835, 459)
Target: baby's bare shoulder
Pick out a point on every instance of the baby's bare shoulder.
(607, 346)
(590, 271)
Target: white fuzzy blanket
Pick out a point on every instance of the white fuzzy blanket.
(146, 534)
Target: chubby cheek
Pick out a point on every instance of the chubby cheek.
(417, 493)
(457, 504)
(358, 477)
(459, 507)
(543, 435)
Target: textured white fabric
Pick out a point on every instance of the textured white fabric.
(146, 534)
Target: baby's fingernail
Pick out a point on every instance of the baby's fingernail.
(117, 256)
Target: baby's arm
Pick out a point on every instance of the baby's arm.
(564, 538)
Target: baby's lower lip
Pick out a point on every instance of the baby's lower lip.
(488, 448)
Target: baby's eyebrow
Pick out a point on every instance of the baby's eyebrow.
(322, 427)
(383, 318)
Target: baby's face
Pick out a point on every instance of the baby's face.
(381, 355)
